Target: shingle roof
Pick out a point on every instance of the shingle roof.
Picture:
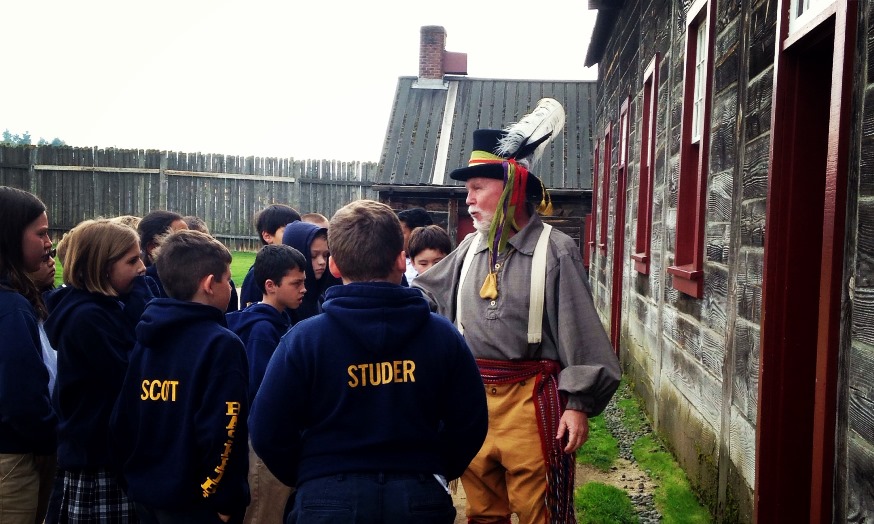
(414, 154)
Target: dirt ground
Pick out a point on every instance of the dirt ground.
(624, 475)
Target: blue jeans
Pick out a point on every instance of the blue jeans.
(364, 498)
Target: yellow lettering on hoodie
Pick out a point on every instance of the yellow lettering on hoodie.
(381, 373)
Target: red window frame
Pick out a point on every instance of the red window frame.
(643, 235)
(592, 222)
(605, 188)
(688, 268)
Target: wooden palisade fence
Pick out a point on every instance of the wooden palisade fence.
(78, 183)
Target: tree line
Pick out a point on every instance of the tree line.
(24, 139)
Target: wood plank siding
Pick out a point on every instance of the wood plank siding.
(697, 362)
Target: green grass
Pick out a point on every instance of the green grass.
(601, 450)
(240, 265)
(673, 495)
(242, 261)
(598, 503)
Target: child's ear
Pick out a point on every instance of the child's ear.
(267, 236)
(401, 262)
(206, 283)
(332, 266)
(270, 286)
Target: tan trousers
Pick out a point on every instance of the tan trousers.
(508, 475)
(19, 488)
(269, 495)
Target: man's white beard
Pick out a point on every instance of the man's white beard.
(486, 223)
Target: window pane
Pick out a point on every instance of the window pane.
(700, 79)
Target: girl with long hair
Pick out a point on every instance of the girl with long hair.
(27, 421)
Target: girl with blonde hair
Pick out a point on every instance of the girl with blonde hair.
(93, 333)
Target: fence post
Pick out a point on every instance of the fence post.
(163, 186)
(31, 172)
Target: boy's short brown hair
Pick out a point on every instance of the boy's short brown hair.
(428, 237)
(365, 239)
(315, 218)
(185, 257)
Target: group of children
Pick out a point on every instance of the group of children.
(146, 407)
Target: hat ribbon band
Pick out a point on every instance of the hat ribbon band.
(484, 157)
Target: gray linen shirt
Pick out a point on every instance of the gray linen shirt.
(498, 329)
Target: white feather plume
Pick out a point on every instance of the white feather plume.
(527, 139)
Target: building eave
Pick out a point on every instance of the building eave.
(604, 25)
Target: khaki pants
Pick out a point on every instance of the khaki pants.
(269, 495)
(19, 488)
(508, 475)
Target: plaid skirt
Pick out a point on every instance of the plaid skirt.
(94, 496)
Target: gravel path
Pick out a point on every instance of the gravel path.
(638, 485)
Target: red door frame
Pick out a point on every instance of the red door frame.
(619, 226)
(794, 481)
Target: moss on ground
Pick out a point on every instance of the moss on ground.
(673, 495)
(602, 449)
(598, 503)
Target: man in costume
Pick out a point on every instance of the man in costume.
(517, 291)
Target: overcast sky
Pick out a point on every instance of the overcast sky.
(264, 78)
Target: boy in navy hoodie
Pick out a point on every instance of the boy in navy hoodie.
(180, 421)
(279, 274)
(270, 224)
(367, 415)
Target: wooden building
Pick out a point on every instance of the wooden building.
(431, 131)
(733, 242)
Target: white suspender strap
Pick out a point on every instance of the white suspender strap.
(465, 266)
(538, 287)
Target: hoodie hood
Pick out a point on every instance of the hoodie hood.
(380, 316)
(242, 321)
(164, 318)
(300, 235)
(65, 302)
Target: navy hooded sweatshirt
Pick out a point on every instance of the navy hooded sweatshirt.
(300, 235)
(259, 326)
(179, 426)
(93, 336)
(377, 383)
(27, 421)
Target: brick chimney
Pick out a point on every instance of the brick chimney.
(435, 61)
